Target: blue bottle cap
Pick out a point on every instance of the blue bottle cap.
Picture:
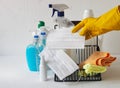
(43, 33)
(36, 36)
(61, 14)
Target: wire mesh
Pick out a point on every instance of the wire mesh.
(82, 55)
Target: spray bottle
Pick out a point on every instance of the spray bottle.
(60, 20)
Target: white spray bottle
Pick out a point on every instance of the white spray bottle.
(60, 20)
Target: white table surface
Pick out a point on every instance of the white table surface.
(15, 74)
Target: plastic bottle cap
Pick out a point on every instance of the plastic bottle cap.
(43, 33)
(36, 36)
(50, 5)
(61, 14)
(41, 23)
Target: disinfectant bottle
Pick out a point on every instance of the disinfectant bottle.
(43, 35)
(32, 54)
(42, 32)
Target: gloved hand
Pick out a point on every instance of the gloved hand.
(96, 26)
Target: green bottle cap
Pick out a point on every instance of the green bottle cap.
(41, 23)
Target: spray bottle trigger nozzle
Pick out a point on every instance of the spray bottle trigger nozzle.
(54, 10)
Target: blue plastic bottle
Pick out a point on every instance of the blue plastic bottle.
(32, 54)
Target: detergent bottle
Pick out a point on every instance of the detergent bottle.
(43, 31)
(60, 20)
(43, 35)
(32, 54)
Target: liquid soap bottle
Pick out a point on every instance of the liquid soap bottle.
(32, 54)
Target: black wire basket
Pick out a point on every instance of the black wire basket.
(82, 54)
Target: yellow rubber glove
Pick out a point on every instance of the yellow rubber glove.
(92, 27)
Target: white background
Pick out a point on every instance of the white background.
(19, 17)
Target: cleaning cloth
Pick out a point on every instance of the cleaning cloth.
(59, 62)
(91, 69)
(99, 58)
